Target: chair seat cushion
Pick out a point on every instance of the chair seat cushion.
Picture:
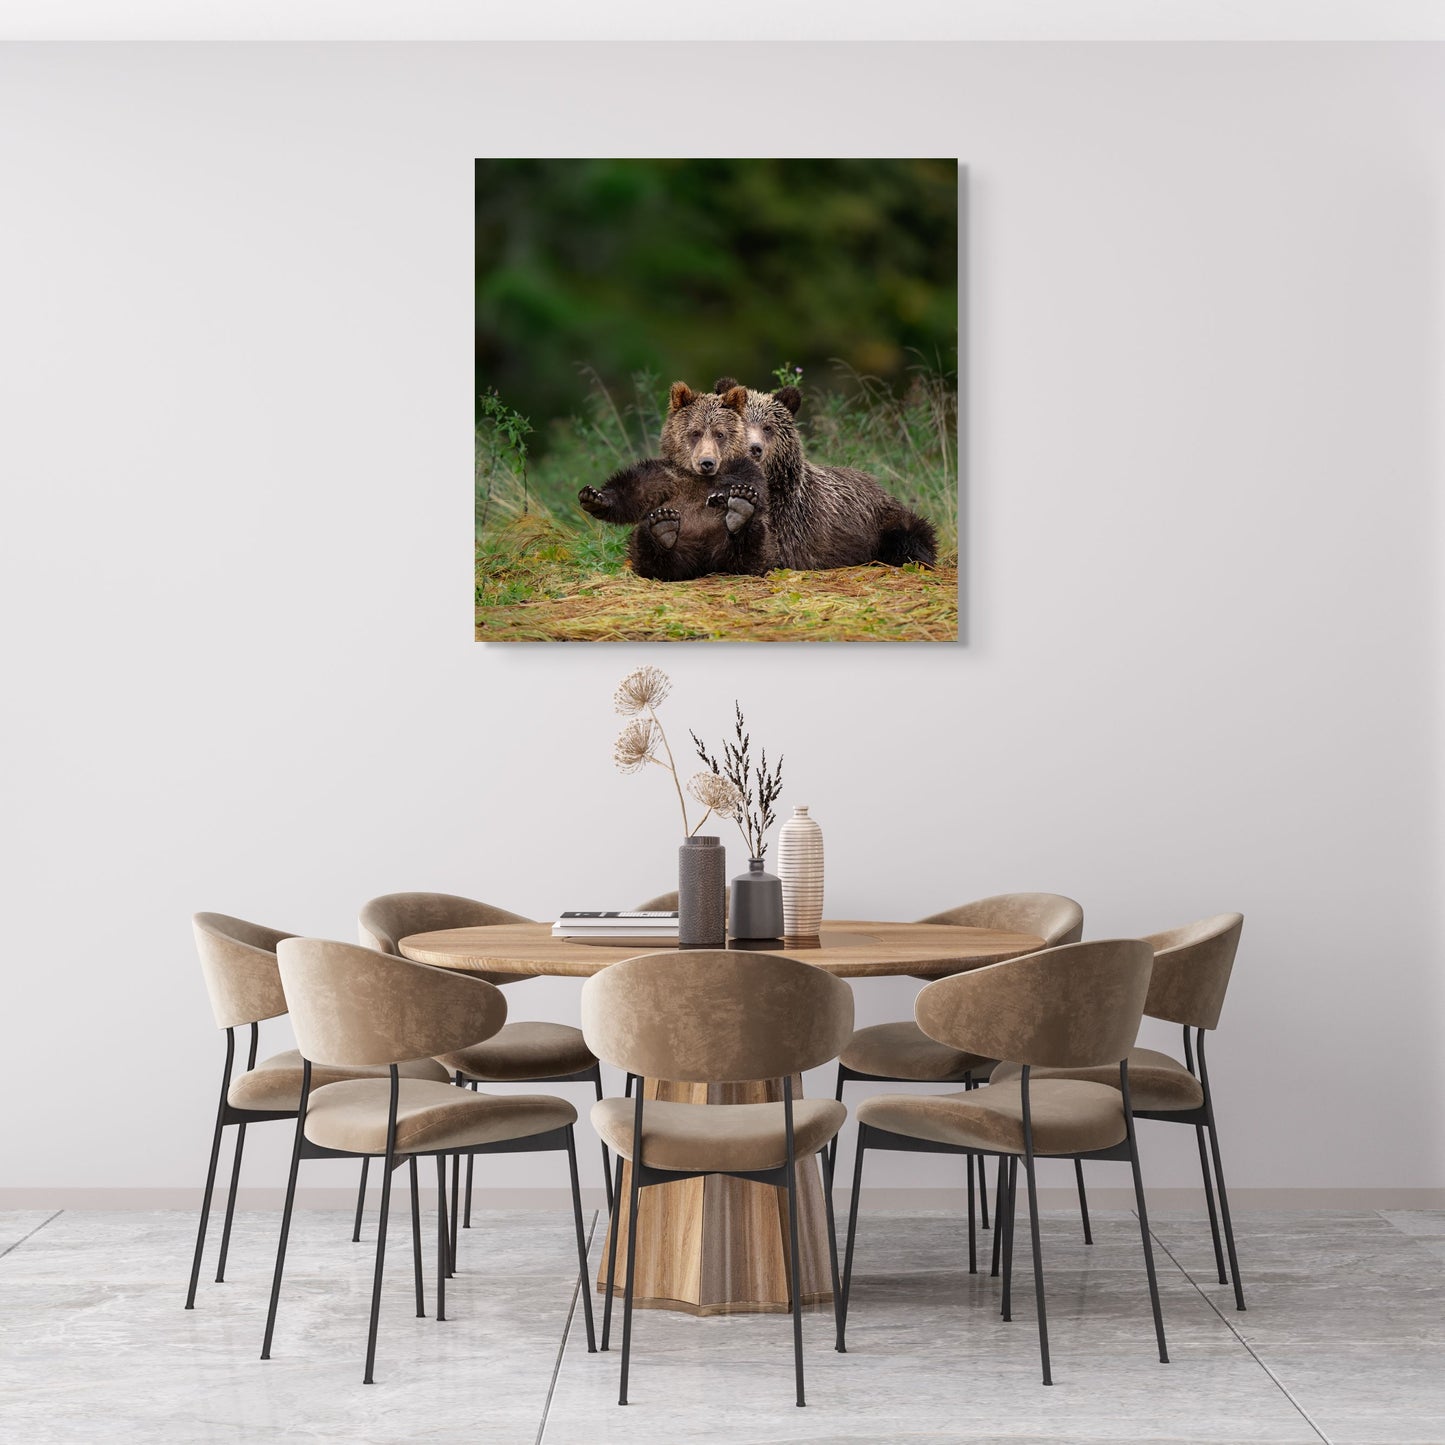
(1068, 1116)
(352, 1116)
(523, 1051)
(903, 1051)
(275, 1084)
(1156, 1082)
(717, 1136)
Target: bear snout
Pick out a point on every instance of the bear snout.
(755, 450)
(707, 465)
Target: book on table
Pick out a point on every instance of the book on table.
(617, 926)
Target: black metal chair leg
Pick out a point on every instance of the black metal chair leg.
(627, 1285)
(286, 1211)
(456, 1214)
(1143, 1212)
(584, 1285)
(795, 1283)
(606, 1157)
(1219, 1175)
(416, 1239)
(205, 1212)
(381, 1219)
(833, 1143)
(983, 1195)
(972, 1231)
(832, 1245)
(1224, 1214)
(1083, 1200)
(1038, 1265)
(360, 1201)
(612, 1224)
(441, 1237)
(1005, 1213)
(1209, 1204)
(471, 1159)
(230, 1206)
(841, 1345)
(998, 1229)
(211, 1172)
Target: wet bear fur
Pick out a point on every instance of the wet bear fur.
(822, 516)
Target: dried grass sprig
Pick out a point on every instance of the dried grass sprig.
(754, 814)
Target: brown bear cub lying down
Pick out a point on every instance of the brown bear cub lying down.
(701, 507)
(734, 493)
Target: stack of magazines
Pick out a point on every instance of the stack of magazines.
(618, 928)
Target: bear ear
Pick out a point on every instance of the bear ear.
(790, 397)
(725, 384)
(736, 399)
(680, 396)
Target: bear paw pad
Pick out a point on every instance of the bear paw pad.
(664, 523)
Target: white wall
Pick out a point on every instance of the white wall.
(1204, 545)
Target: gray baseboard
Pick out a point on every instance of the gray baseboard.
(1242, 1200)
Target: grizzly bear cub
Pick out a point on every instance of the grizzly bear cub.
(682, 533)
(822, 516)
(726, 532)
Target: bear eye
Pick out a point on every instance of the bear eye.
(697, 434)
(768, 428)
(718, 433)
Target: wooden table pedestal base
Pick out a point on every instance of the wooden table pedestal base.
(716, 1245)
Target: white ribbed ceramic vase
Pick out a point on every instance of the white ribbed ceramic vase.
(800, 866)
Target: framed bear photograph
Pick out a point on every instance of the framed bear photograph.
(717, 400)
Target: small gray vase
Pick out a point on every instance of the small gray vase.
(755, 908)
(702, 894)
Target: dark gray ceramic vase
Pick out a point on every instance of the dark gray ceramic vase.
(702, 894)
(755, 909)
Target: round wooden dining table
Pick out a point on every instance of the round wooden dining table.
(715, 1244)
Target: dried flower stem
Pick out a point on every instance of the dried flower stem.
(671, 767)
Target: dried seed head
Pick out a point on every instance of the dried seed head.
(635, 744)
(714, 791)
(645, 688)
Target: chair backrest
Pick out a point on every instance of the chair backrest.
(385, 921)
(716, 1015)
(353, 1006)
(1049, 916)
(1191, 970)
(1067, 1008)
(238, 960)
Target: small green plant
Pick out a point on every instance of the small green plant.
(501, 436)
(787, 375)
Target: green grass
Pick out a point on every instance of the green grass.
(544, 569)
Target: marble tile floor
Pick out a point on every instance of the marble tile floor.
(1343, 1341)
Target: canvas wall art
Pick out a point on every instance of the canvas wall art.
(717, 400)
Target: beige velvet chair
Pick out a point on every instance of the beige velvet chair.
(238, 961)
(1073, 1007)
(1191, 973)
(524, 1052)
(359, 1008)
(900, 1052)
(715, 1016)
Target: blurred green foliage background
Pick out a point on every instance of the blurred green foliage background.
(695, 268)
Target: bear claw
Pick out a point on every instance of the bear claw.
(664, 523)
(593, 501)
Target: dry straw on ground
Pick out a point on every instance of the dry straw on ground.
(845, 604)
